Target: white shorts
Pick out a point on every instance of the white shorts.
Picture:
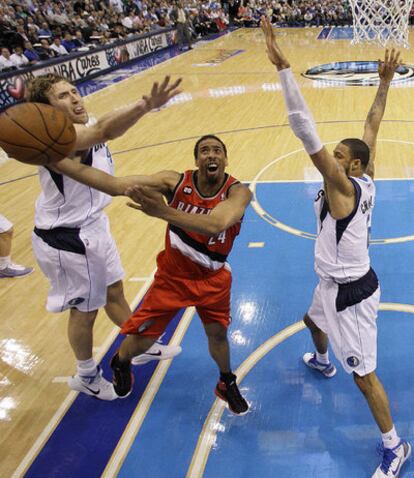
(351, 329)
(5, 224)
(80, 265)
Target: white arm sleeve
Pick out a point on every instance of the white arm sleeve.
(300, 118)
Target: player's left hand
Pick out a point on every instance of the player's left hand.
(146, 199)
(161, 94)
(387, 68)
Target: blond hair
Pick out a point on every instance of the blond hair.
(37, 88)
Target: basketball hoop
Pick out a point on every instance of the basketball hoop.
(381, 21)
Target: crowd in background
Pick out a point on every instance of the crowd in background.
(37, 30)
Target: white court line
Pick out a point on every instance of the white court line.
(138, 279)
(67, 402)
(60, 380)
(256, 244)
(137, 419)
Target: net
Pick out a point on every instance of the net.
(381, 21)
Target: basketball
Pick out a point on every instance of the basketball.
(36, 133)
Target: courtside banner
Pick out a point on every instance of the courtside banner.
(81, 66)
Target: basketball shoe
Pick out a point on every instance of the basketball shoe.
(327, 370)
(157, 351)
(94, 385)
(392, 460)
(122, 378)
(15, 270)
(230, 393)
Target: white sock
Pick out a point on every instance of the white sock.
(391, 438)
(322, 358)
(86, 368)
(4, 262)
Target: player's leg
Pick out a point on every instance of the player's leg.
(88, 378)
(117, 307)
(396, 451)
(9, 269)
(218, 344)
(214, 311)
(161, 303)
(353, 336)
(77, 282)
(315, 321)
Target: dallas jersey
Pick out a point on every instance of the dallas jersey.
(341, 251)
(65, 202)
(188, 253)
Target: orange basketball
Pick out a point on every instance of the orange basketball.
(36, 133)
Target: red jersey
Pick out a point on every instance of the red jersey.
(188, 253)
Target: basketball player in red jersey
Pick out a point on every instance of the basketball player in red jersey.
(204, 213)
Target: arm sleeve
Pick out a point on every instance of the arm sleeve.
(300, 117)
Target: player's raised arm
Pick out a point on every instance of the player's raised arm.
(223, 216)
(116, 123)
(301, 119)
(163, 181)
(386, 70)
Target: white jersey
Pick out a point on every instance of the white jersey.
(65, 202)
(341, 251)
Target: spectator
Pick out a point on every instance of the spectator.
(44, 50)
(30, 53)
(44, 31)
(5, 60)
(179, 16)
(57, 47)
(68, 42)
(78, 39)
(18, 58)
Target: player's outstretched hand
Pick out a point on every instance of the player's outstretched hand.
(388, 67)
(274, 52)
(161, 94)
(146, 199)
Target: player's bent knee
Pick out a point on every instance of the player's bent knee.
(216, 332)
(82, 318)
(310, 324)
(115, 291)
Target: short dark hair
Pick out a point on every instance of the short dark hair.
(38, 88)
(208, 136)
(359, 150)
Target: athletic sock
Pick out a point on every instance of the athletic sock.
(4, 261)
(86, 368)
(391, 438)
(322, 358)
(227, 377)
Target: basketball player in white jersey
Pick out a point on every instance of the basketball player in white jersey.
(346, 300)
(72, 240)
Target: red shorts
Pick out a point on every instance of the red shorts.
(168, 294)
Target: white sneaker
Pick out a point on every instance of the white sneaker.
(327, 370)
(393, 460)
(157, 351)
(15, 270)
(96, 386)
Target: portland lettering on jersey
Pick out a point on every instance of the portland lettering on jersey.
(192, 208)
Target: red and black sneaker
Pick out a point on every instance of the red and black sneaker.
(122, 379)
(230, 393)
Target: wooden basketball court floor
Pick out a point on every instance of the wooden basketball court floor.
(171, 426)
